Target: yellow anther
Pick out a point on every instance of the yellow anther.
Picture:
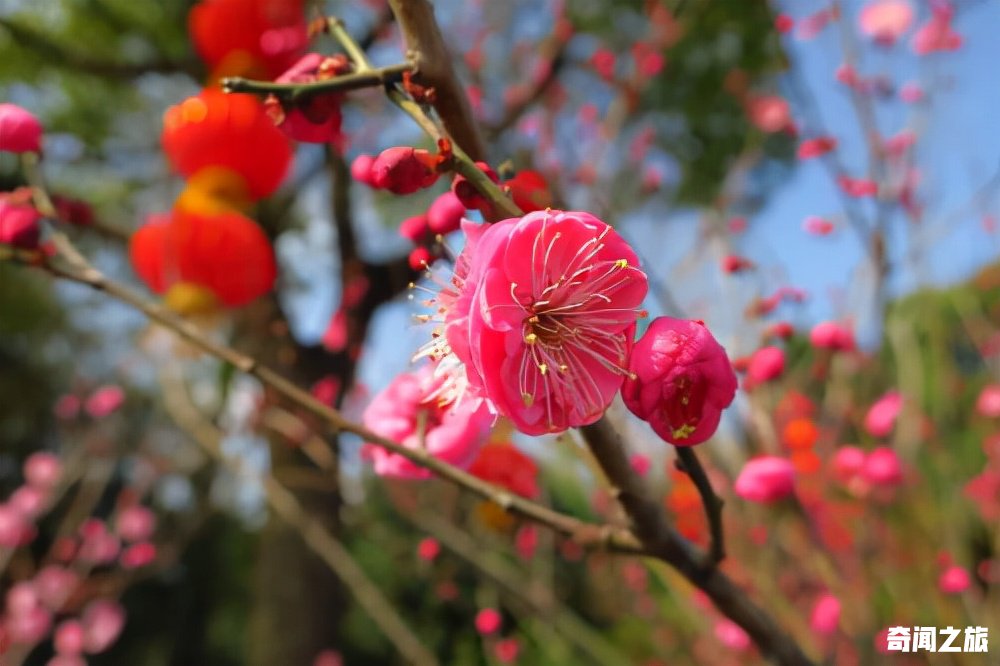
(543, 368)
(527, 399)
(622, 263)
(563, 368)
(531, 338)
(684, 431)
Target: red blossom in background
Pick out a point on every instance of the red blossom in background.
(317, 118)
(19, 220)
(765, 480)
(506, 466)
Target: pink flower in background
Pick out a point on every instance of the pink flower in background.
(766, 364)
(14, 527)
(881, 417)
(54, 584)
(488, 621)
(911, 93)
(445, 214)
(135, 523)
(847, 463)
(68, 637)
(937, 35)
(428, 549)
(102, 621)
(20, 131)
(542, 316)
(988, 402)
(328, 658)
(506, 650)
(138, 555)
(67, 407)
(770, 113)
(414, 411)
(18, 222)
(954, 580)
(29, 501)
(811, 148)
(886, 21)
(818, 226)
(42, 470)
(882, 467)
(765, 479)
(104, 401)
(833, 336)
(825, 615)
(732, 635)
(680, 380)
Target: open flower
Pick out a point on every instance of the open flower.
(541, 312)
(414, 411)
(680, 382)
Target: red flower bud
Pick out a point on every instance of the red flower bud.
(404, 170)
(468, 194)
(445, 214)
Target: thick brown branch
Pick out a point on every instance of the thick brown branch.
(662, 541)
(426, 45)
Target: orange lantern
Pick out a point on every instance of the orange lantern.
(253, 38)
(203, 261)
(227, 133)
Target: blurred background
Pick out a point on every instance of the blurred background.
(776, 165)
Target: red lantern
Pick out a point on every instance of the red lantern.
(200, 261)
(215, 129)
(252, 38)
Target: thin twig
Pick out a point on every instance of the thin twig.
(369, 78)
(587, 534)
(688, 462)
(284, 503)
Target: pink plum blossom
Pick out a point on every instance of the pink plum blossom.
(954, 580)
(765, 480)
(937, 35)
(825, 614)
(770, 113)
(18, 222)
(102, 622)
(68, 637)
(445, 214)
(988, 402)
(766, 364)
(42, 469)
(135, 523)
(104, 401)
(680, 380)
(732, 635)
(882, 415)
(20, 131)
(415, 411)
(54, 584)
(847, 463)
(832, 335)
(14, 527)
(542, 316)
(428, 549)
(488, 621)
(138, 555)
(885, 21)
(882, 467)
(317, 118)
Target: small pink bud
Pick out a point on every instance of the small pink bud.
(954, 580)
(817, 226)
(766, 364)
(404, 170)
(42, 469)
(825, 615)
(988, 403)
(18, 224)
(22, 597)
(420, 258)
(467, 194)
(29, 501)
(29, 627)
(506, 650)
(54, 584)
(428, 549)
(102, 621)
(415, 228)
(488, 621)
(68, 637)
(20, 131)
(811, 148)
(328, 658)
(138, 555)
(67, 407)
(848, 462)
(361, 169)
(732, 635)
(445, 214)
(881, 417)
(640, 464)
(104, 401)
(883, 467)
(765, 480)
(135, 523)
(13, 526)
(833, 336)
(733, 263)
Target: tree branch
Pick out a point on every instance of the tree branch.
(427, 47)
(688, 463)
(661, 541)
